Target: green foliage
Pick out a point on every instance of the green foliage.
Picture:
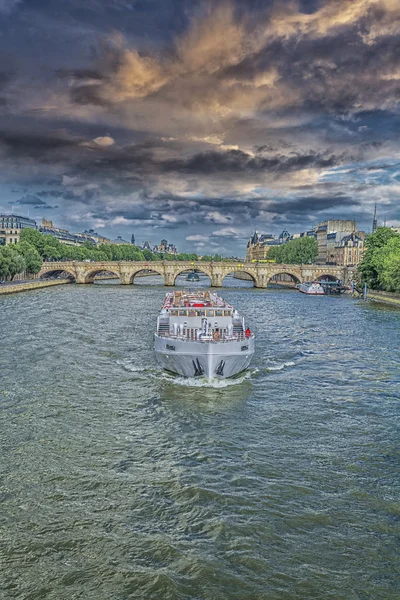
(33, 260)
(380, 259)
(34, 247)
(214, 258)
(34, 238)
(11, 262)
(300, 251)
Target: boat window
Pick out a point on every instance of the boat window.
(210, 313)
(183, 313)
(227, 313)
(192, 313)
(218, 313)
(174, 313)
(200, 313)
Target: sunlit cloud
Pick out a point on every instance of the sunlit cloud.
(228, 115)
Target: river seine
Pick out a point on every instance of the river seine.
(119, 481)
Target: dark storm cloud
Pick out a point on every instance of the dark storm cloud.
(32, 201)
(305, 205)
(236, 161)
(35, 145)
(29, 199)
(205, 114)
(80, 74)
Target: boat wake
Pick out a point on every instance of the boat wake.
(279, 367)
(203, 382)
(195, 382)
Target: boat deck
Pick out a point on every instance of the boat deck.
(181, 299)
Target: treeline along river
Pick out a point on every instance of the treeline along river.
(121, 482)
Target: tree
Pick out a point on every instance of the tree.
(34, 238)
(371, 265)
(148, 255)
(11, 262)
(300, 251)
(33, 260)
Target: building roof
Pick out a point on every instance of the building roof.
(119, 240)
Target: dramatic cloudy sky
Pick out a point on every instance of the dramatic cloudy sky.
(197, 120)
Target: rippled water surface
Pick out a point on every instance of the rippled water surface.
(119, 481)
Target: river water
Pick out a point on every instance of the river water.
(119, 481)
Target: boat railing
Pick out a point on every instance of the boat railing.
(206, 338)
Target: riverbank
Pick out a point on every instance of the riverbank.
(390, 298)
(31, 285)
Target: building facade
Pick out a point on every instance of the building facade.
(258, 246)
(329, 233)
(348, 251)
(165, 248)
(63, 235)
(91, 235)
(11, 227)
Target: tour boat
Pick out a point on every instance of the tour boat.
(199, 334)
(312, 288)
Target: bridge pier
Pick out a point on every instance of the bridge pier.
(216, 280)
(261, 281)
(124, 277)
(169, 279)
(80, 274)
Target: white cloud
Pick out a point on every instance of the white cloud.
(216, 217)
(197, 238)
(104, 141)
(169, 218)
(227, 232)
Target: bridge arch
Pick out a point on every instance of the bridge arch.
(327, 277)
(199, 269)
(91, 274)
(57, 272)
(284, 277)
(242, 278)
(145, 271)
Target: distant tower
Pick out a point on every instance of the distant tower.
(132, 239)
(374, 221)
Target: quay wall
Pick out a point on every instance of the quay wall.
(30, 285)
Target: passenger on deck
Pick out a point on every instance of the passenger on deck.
(216, 335)
(247, 333)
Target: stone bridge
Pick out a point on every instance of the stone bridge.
(260, 273)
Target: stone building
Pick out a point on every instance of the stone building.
(329, 233)
(258, 246)
(348, 251)
(11, 227)
(91, 235)
(63, 235)
(119, 241)
(165, 248)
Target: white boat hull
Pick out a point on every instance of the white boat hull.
(311, 289)
(206, 359)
